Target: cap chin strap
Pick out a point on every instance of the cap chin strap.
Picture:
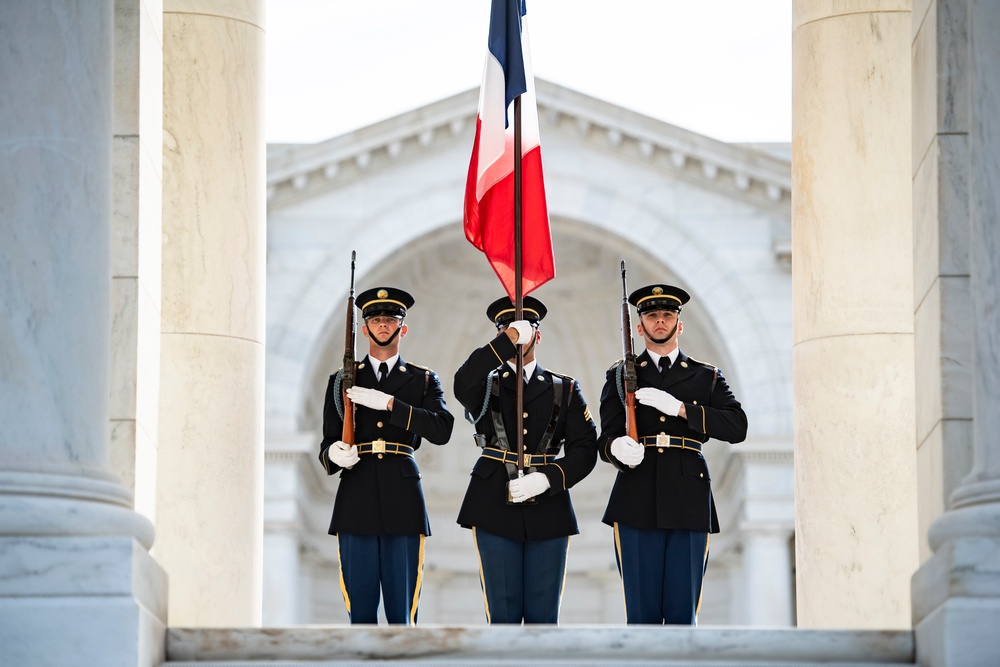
(391, 338)
(531, 345)
(669, 336)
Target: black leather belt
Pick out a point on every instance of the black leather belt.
(380, 446)
(671, 441)
(511, 457)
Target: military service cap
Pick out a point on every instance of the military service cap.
(384, 301)
(658, 297)
(501, 311)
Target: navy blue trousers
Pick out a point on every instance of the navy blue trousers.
(522, 581)
(662, 573)
(394, 563)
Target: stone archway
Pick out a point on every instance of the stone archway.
(673, 216)
(453, 283)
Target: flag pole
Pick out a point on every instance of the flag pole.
(518, 296)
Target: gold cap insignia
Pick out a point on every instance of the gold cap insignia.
(657, 290)
(382, 294)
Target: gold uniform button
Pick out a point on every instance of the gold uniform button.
(662, 418)
(402, 368)
(659, 450)
(380, 455)
(541, 377)
(526, 431)
(684, 364)
(506, 373)
(361, 365)
(642, 365)
(525, 415)
(694, 402)
(701, 474)
(379, 424)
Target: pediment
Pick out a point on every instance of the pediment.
(298, 172)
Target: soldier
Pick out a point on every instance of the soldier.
(661, 506)
(379, 515)
(522, 540)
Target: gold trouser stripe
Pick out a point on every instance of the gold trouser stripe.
(495, 351)
(701, 591)
(409, 418)
(621, 568)
(343, 584)
(482, 576)
(420, 582)
(562, 589)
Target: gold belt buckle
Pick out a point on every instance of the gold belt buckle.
(662, 440)
(527, 460)
(378, 446)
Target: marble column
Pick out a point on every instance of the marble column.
(852, 295)
(73, 554)
(210, 463)
(957, 591)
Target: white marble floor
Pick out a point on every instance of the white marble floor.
(536, 645)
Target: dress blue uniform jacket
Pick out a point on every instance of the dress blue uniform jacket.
(671, 488)
(381, 495)
(485, 505)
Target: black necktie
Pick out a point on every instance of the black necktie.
(383, 370)
(664, 365)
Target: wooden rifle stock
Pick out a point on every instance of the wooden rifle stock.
(350, 365)
(628, 355)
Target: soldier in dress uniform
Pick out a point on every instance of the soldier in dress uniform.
(522, 539)
(379, 514)
(661, 506)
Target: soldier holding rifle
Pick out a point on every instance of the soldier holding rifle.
(389, 406)
(519, 509)
(661, 506)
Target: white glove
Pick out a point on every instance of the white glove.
(370, 398)
(343, 455)
(659, 399)
(524, 331)
(627, 450)
(528, 486)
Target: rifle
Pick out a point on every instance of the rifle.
(347, 379)
(630, 380)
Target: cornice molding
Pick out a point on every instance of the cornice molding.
(295, 172)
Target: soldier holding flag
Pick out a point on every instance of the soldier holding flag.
(517, 502)
(522, 533)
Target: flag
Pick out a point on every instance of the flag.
(489, 189)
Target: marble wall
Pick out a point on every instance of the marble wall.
(956, 592)
(135, 248)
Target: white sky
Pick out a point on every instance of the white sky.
(717, 67)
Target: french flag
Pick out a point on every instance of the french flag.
(489, 189)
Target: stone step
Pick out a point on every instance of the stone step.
(340, 645)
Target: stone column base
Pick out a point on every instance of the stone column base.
(81, 601)
(956, 605)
